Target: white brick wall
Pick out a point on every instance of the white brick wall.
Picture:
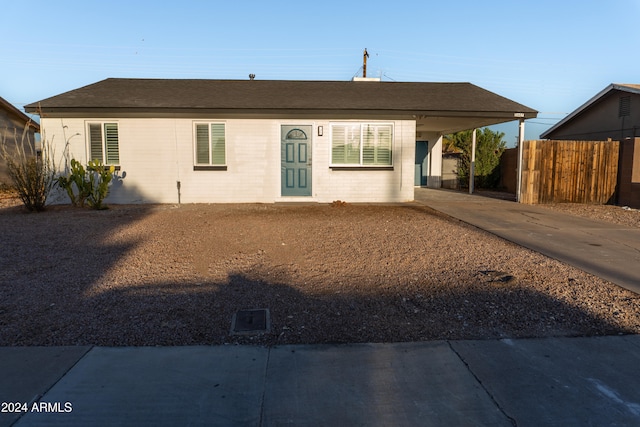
(157, 153)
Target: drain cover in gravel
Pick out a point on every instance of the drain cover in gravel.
(251, 322)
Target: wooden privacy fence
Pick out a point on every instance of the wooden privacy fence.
(569, 171)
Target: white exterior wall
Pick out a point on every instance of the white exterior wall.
(434, 179)
(367, 185)
(157, 153)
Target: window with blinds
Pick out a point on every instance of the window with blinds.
(104, 143)
(210, 144)
(361, 144)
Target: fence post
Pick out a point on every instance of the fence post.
(520, 144)
(472, 166)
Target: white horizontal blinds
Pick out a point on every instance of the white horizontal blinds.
(104, 143)
(95, 141)
(376, 145)
(369, 145)
(384, 152)
(210, 144)
(338, 137)
(345, 144)
(366, 144)
(202, 144)
(111, 144)
(217, 144)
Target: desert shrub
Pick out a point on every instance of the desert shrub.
(32, 174)
(75, 184)
(100, 177)
(90, 185)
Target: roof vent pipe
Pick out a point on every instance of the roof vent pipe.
(252, 76)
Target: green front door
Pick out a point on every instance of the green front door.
(296, 160)
(422, 163)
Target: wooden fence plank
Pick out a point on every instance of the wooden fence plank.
(569, 171)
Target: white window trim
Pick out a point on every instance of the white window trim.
(103, 137)
(210, 165)
(362, 125)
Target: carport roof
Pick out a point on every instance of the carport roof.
(423, 101)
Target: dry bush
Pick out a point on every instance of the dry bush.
(31, 172)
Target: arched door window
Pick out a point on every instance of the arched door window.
(296, 134)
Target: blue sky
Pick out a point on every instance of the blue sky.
(548, 55)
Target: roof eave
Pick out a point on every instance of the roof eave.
(44, 111)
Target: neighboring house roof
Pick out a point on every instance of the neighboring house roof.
(13, 111)
(283, 96)
(631, 88)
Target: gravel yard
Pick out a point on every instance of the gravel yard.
(169, 275)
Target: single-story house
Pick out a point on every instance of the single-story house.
(267, 141)
(13, 124)
(612, 114)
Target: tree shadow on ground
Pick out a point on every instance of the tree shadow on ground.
(48, 260)
(195, 317)
(201, 313)
(65, 296)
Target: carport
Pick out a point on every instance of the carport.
(460, 108)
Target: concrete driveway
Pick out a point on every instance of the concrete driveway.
(606, 250)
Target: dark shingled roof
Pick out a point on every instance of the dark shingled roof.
(149, 95)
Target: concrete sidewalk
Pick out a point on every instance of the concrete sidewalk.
(528, 382)
(609, 251)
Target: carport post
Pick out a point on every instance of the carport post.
(472, 168)
(520, 144)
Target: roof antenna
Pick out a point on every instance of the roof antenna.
(365, 55)
(252, 76)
